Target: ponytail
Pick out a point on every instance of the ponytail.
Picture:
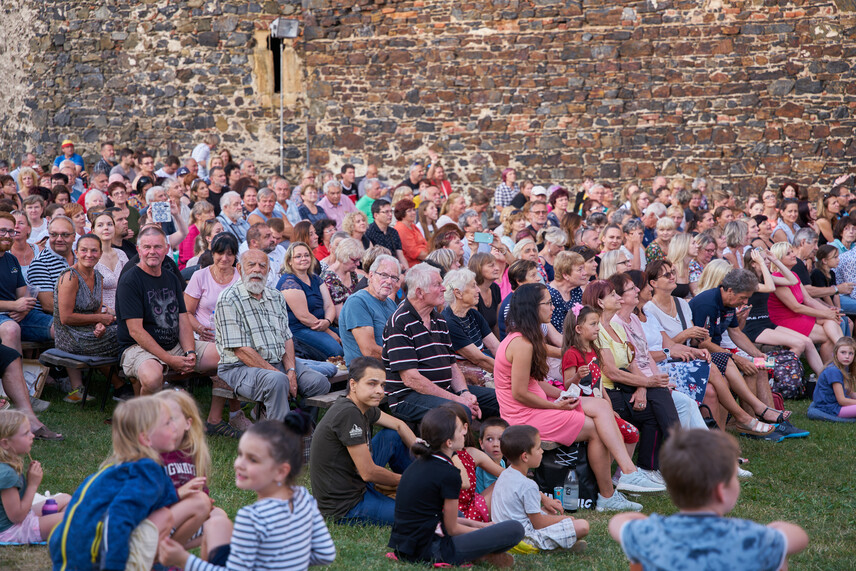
(438, 426)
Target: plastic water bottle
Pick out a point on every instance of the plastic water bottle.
(50, 507)
(571, 493)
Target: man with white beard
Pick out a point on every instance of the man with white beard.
(255, 345)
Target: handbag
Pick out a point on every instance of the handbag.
(554, 469)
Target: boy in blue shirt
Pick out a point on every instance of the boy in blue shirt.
(700, 470)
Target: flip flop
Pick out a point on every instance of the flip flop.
(783, 416)
(756, 428)
(44, 433)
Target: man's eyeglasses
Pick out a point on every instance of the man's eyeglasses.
(63, 235)
(386, 277)
(8, 232)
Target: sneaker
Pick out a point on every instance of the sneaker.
(639, 482)
(240, 421)
(617, 503)
(741, 473)
(76, 396)
(791, 431)
(654, 476)
(222, 429)
(123, 393)
(39, 405)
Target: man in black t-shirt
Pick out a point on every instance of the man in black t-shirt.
(349, 175)
(346, 460)
(154, 330)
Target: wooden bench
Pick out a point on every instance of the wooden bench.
(88, 363)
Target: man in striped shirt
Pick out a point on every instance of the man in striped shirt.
(52, 261)
(420, 364)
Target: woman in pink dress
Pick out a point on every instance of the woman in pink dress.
(522, 393)
(792, 307)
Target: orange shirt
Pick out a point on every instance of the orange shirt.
(412, 242)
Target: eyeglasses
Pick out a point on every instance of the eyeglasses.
(622, 262)
(8, 232)
(386, 277)
(63, 235)
(548, 302)
(387, 212)
(356, 260)
(668, 275)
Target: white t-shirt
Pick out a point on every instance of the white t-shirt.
(201, 153)
(671, 325)
(514, 497)
(445, 219)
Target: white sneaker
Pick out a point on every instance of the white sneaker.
(741, 473)
(653, 475)
(616, 503)
(639, 482)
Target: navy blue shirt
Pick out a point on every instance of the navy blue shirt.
(11, 277)
(709, 312)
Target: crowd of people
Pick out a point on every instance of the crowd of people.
(533, 313)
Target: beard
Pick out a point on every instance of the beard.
(5, 245)
(254, 287)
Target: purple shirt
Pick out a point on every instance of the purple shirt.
(337, 212)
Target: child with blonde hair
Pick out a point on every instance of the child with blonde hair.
(117, 515)
(21, 520)
(835, 393)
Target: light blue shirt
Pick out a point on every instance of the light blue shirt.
(362, 309)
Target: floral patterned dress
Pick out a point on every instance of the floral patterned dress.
(339, 292)
(654, 252)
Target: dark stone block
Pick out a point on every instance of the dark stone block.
(806, 85)
(209, 39)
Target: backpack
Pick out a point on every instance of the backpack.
(555, 466)
(786, 376)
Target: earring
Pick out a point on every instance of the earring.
(279, 484)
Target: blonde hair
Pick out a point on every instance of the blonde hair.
(666, 223)
(11, 422)
(565, 263)
(609, 264)
(449, 202)
(679, 253)
(199, 208)
(713, 274)
(849, 373)
(780, 249)
(194, 443)
(400, 193)
(349, 248)
(554, 235)
(131, 419)
(510, 220)
(351, 219)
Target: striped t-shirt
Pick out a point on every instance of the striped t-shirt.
(274, 534)
(407, 344)
(44, 272)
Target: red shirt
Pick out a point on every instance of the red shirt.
(573, 358)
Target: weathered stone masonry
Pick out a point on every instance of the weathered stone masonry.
(750, 93)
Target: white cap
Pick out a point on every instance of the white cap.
(539, 191)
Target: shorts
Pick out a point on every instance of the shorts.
(7, 357)
(134, 356)
(28, 531)
(220, 555)
(35, 327)
(720, 360)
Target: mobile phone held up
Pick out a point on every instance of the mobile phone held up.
(483, 238)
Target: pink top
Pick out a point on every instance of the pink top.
(203, 287)
(562, 426)
(185, 249)
(782, 316)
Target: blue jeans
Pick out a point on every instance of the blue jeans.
(376, 508)
(415, 405)
(317, 345)
(36, 325)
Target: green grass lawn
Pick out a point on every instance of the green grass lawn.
(807, 481)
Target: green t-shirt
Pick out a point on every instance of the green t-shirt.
(9, 478)
(365, 206)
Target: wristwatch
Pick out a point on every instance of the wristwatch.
(836, 288)
(668, 353)
(186, 353)
(288, 370)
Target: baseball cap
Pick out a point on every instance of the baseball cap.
(539, 191)
(182, 171)
(67, 143)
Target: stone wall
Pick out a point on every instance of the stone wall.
(749, 93)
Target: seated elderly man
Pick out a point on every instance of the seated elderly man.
(255, 345)
(421, 366)
(366, 312)
(154, 329)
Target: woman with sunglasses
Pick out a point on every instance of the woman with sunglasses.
(341, 276)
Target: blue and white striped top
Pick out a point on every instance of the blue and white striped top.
(271, 535)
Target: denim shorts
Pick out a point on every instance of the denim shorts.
(36, 325)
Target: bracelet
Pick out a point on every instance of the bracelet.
(836, 288)
(459, 393)
(288, 370)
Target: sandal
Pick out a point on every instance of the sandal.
(4, 404)
(44, 433)
(222, 428)
(756, 427)
(783, 415)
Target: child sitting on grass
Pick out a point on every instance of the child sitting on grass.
(516, 497)
(21, 521)
(491, 432)
(700, 469)
(835, 392)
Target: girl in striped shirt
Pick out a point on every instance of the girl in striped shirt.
(283, 529)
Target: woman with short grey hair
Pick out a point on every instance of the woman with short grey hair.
(472, 339)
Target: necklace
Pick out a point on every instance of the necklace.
(219, 277)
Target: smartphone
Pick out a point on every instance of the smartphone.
(483, 238)
(160, 212)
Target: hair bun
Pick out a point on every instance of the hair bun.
(298, 422)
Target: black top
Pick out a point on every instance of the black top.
(422, 491)
(681, 290)
(158, 301)
(490, 312)
(820, 280)
(801, 271)
(336, 483)
(389, 239)
(468, 330)
(11, 277)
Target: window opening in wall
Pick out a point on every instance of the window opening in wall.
(275, 46)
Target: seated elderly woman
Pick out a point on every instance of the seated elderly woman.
(613, 262)
(737, 242)
(566, 289)
(450, 236)
(444, 259)
(659, 248)
(310, 309)
(634, 232)
(486, 270)
(81, 327)
(341, 276)
(639, 398)
(792, 307)
(472, 338)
